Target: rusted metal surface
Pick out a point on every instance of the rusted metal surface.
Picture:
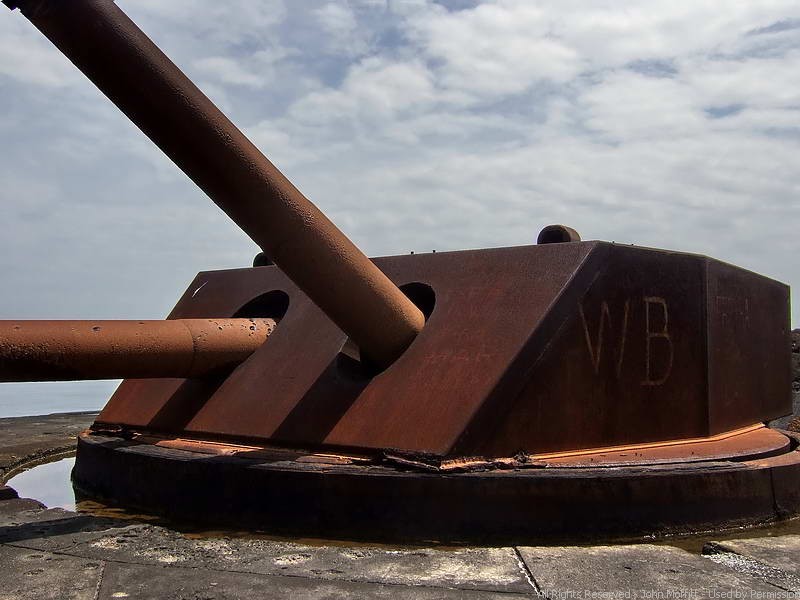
(531, 350)
(114, 53)
(375, 502)
(748, 443)
(633, 359)
(69, 350)
(557, 234)
(745, 332)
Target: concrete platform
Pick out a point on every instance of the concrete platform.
(26, 440)
(53, 553)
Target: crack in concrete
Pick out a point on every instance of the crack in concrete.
(99, 580)
(527, 573)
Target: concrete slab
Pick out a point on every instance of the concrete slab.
(633, 571)
(29, 574)
(19, 510)
(782, 552)
(172, 583)
(776, 559)
(27, 439)
(146, 561)
(26, 522)
(486, 569)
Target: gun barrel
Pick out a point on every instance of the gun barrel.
(71, 350)
(130, 69)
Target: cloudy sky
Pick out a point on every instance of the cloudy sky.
(415, 125)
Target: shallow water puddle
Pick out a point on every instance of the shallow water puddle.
(49, 483)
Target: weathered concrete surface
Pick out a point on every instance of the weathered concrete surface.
(164, 583)
(776, 559)
(27, 439)
(488, 569)
(85, 557)
(44, 575)
(27, 522)
(638, 569)
(31, 574)
(294, 567)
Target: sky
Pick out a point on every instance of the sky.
(415, 125)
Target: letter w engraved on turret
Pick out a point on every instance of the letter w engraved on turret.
(596, 348)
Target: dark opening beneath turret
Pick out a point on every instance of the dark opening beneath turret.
(272, 305)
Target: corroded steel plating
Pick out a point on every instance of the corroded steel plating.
(125, 64)
(533, 349)
(70, 350)
(322, 495)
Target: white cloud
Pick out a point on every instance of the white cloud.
(626, 107)
(495, 49)
(228, 23)
(29, 59)
(766, 82)
(228, 70)
(344, 36)
(375, 90)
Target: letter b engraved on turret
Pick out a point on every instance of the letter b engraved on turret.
(655, 335)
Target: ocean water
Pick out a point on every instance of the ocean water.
(22, 399)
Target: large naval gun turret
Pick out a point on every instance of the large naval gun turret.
(565, 388)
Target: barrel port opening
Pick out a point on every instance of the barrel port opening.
(271, 305)
(349, 360)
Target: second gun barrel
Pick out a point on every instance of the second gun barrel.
(73, 350)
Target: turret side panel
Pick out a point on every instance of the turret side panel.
(627, 364)
(300, 391)
(299, 388)
(749, 348)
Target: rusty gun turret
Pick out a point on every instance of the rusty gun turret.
(640, 378)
